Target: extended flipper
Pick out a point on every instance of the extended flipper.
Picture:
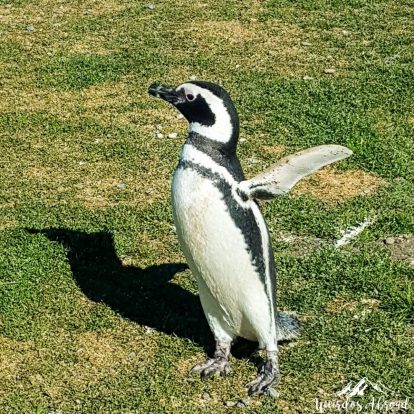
(279, 178)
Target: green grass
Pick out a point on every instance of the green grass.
(98, 313)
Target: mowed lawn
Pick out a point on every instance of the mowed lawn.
(98, 312)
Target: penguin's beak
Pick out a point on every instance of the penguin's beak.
(168, 93)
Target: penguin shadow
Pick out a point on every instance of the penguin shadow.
(145, 296)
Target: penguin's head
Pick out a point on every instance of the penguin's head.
(207, 107)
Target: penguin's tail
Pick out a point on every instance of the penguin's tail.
(288, 326)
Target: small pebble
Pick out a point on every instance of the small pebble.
(307, 78)
(243, 403)
(159, 135)
(330, 71)
(53, 411)
(30, 28)
(237, 66)
(306, 43)
(172, 135)
(390, 240)
(272, 392)
(205, 396)
(179, 116)
(121, 186)
(78, 401)
(149, 6)
(242, 139)
(132, 355)
(193, 77)
(253, 160)
(230, 403)
(345, 32)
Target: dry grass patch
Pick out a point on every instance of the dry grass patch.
(274, 149)
(92, 183)
(106, 104)
(98, 352)
(6, 224)
(178, 74)
(265, 46)
(331, 186)
(93, 45)
(300, 245)
(49, 22)
(46, 11)
(13, 357)
(230, 31)
(104, 184)
(109, 104)
(184, 365)
(97, 186)
(82, 360)
(340, 304)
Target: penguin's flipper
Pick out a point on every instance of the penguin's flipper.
(279, 178)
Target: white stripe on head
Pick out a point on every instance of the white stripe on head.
(222, 129)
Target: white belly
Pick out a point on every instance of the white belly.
(216, 251)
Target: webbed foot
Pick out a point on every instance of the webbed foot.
(268, 375)
(219, 364)
(212, 367)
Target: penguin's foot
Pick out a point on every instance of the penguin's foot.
(217, 365)
(268, 375)
(212, 366)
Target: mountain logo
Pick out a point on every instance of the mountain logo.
(358, 389)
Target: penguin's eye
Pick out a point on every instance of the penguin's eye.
(190, 97)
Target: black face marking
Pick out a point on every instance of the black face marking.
(197, 110)
(229, 105)
(245, 220)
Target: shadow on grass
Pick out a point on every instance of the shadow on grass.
(145, 296)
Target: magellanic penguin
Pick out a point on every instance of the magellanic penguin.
(222, 232)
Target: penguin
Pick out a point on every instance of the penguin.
(221, 229)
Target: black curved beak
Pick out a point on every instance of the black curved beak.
(168, 93)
